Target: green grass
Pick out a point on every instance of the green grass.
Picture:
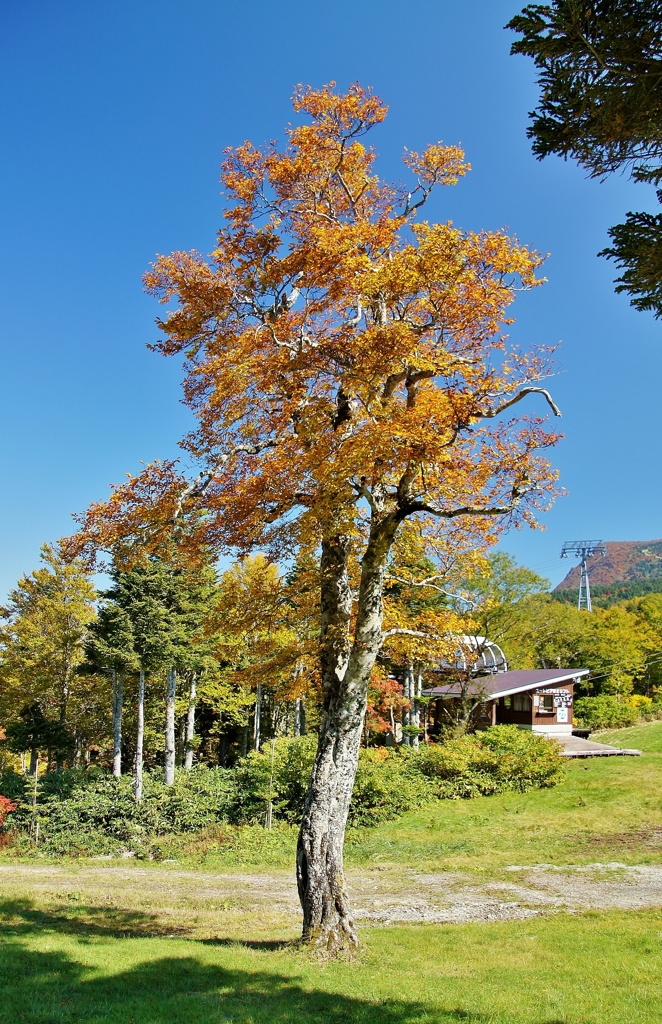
(119, 948)
(647, 738)
(589, 969)
(608, 808)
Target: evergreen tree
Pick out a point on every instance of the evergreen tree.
(600, 71)
(110, 647)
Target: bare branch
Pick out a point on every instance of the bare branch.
(356, 319)
(410, 632)
(391, 384)
(202, 482)
(362, 491)
(518, 398)
(429, 582)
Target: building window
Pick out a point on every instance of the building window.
(521, 702)
(546, 704)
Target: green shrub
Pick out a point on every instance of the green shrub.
(384, 787)
(606, 712)
(281, 770)
(499, 759)
(90, 812)
(387, 784)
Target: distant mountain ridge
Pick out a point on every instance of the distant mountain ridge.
(626, 561)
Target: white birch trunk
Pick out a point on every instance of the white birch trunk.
(406, 711)
(118, 701)
(170, 745)
(140, 737)
(190, 725)
(416, 708)
(258, 713)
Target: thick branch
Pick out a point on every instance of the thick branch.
(518, 398)
(467, 510)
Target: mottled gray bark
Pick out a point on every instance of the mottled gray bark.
(346, 664)
(190, 724)
(299, 717)
(140, 737)
(118, 703)
(170, 746)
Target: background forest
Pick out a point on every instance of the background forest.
(171, 666)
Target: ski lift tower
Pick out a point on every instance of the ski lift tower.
(583, 549)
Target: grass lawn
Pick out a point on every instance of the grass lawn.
(104, 955)
(589, 969)
(607, 809)
(647, 738)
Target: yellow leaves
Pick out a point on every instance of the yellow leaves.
(339, 114)
(330, 342)
(437, 164)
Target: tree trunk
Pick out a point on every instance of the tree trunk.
(416, 708)
(345, 670)
(34, 762)
(190, 725)
(258, 715)
(140, 737)
(407, 688)
(302, 717)
(171, 685)
(118, 701)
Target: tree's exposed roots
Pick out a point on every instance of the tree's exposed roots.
(332, 938)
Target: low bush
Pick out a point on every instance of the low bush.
(91, 813)
(494, 761)
(385, 784)
(606, 711)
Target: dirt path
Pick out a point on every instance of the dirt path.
(164, 900)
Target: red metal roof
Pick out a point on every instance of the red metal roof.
(503, 683)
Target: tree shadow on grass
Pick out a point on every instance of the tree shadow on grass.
(48, 987)
(22, 917)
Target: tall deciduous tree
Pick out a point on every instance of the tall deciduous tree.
(348, 368)
(42, 638)
(600, 72)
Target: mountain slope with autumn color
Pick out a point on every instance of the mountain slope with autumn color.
(625, 561)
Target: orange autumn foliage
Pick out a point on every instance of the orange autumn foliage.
(340, 353)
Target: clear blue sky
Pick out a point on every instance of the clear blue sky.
(114, 119)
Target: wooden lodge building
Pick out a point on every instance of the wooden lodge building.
(537, 699)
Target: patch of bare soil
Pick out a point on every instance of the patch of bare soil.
(167, 901)
(649, 838)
